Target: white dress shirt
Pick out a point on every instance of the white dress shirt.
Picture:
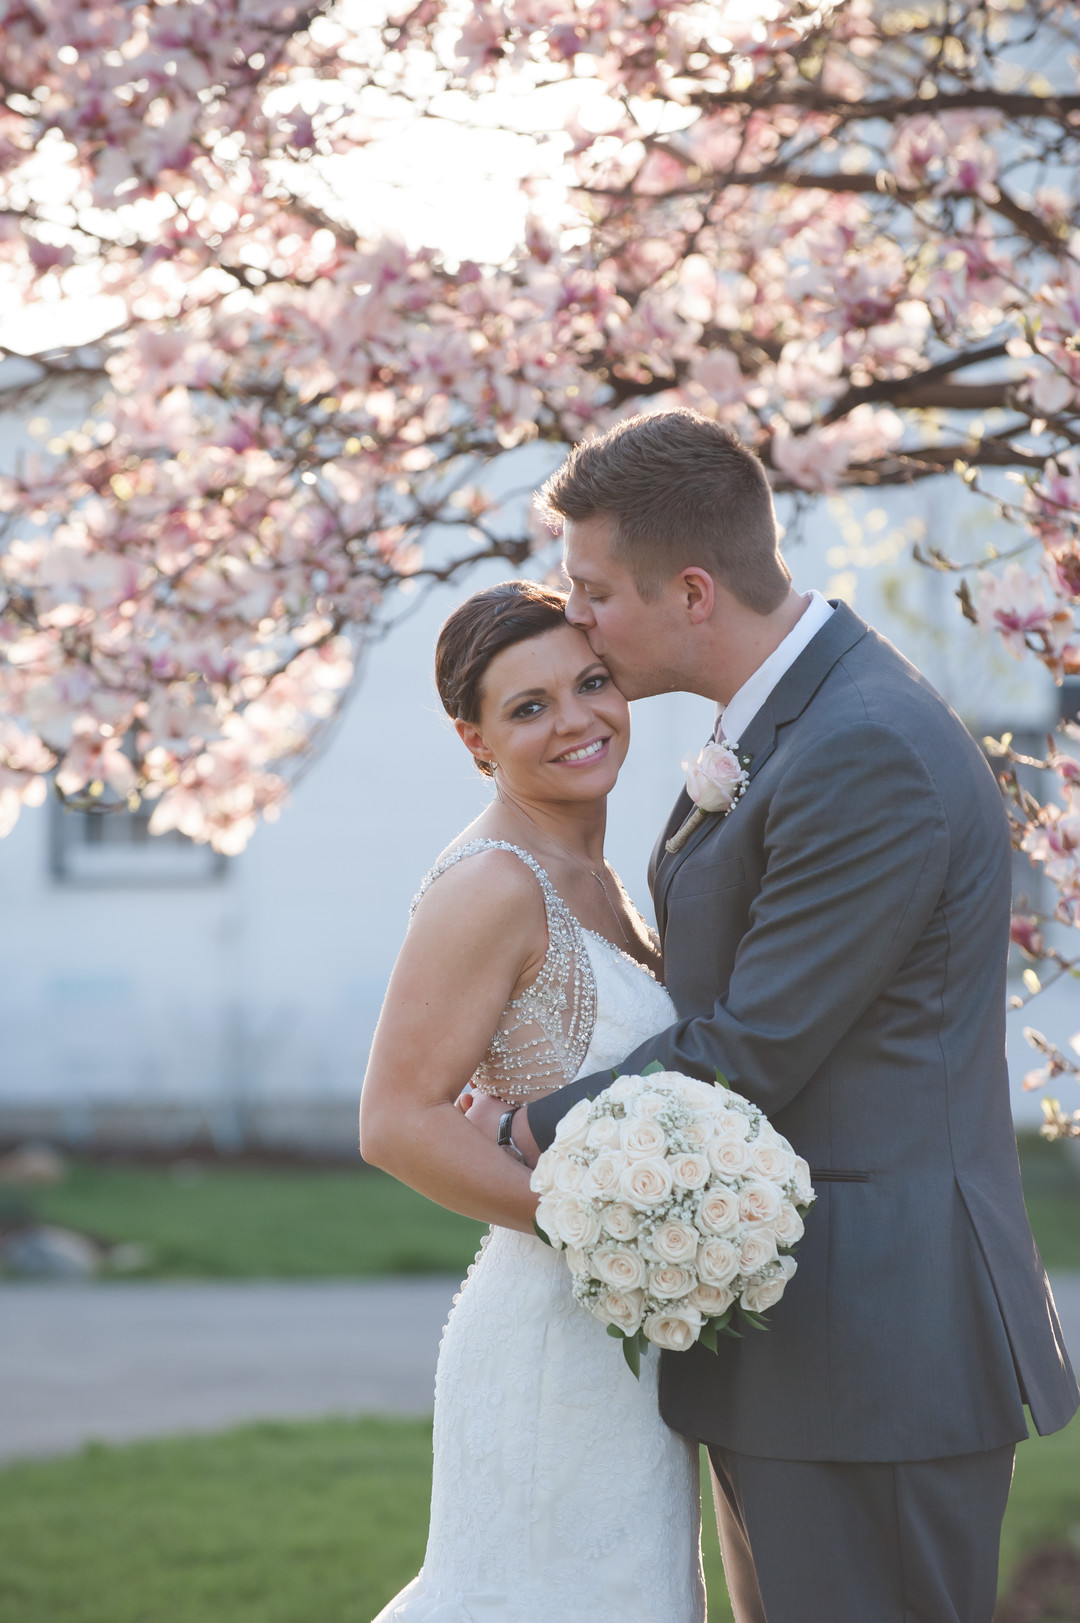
(734, 718)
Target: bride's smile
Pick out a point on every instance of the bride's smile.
(584, 754)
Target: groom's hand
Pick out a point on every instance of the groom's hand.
(484, 1113)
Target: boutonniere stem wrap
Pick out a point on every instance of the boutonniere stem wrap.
(716, 779)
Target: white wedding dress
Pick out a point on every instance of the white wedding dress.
(558, 1494)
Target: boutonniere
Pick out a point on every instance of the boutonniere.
(716, 780)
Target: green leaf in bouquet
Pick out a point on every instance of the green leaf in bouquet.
(651, 1069)
(632, 1354)
(708, 1335)
(613, 1330)
(721, 1080)
(540, 1235)
(721, 1325)
(754, 1320)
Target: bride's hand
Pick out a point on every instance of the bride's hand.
(485, 1113)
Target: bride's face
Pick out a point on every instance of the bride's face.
(551, 718)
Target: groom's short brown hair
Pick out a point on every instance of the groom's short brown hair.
(681, 490)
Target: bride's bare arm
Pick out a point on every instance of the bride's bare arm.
(478, 936)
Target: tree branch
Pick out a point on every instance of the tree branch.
(1013, 104)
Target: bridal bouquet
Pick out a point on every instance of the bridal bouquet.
(677, 1204)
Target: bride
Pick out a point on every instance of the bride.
(558, 1495)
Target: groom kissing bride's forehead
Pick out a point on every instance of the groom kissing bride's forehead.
(832, 905)
(671, 549)
(837, 949)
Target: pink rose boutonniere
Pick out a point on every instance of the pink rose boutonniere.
(716, 779)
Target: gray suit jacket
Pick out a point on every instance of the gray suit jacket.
(836, 946)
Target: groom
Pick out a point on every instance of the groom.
(836, 947)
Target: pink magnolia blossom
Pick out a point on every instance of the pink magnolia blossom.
(753, 224)
(1027, 612)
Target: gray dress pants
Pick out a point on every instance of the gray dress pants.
(818, 1541)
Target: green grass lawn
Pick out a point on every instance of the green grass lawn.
(312, 1523)
(235, 1222)
(240, 1222)
(1052, 1191)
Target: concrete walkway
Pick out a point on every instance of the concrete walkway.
(117, 1361)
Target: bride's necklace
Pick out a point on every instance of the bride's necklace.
(547, 835)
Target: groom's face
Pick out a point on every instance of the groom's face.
(638, 641)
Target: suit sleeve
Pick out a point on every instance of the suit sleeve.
(856, 854)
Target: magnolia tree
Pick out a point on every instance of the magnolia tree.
(848, 230)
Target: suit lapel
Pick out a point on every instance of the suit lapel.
(679, 812)
(788, 700)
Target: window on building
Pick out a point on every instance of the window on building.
(117, 848)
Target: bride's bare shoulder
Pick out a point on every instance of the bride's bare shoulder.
(488, 887)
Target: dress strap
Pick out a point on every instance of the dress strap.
(552, 900)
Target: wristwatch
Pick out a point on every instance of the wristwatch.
(503, 1138)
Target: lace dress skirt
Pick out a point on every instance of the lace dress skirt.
(559, 1495)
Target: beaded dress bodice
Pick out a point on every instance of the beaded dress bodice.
(544, 1033)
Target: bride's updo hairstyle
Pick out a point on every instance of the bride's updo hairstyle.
(482, 627)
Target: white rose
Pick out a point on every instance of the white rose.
(789, 1227)
(717, 1261)
(642, 1138)
(602, 1177)
(576, 1221)
(718, 1210)
(542, 1181)
(568, 1175)
(646, 1183)
(713, 776)
(603, 1133)
(729, 1156)
(731, 1124)
(573, 1129)
(767, 1134)
(765, 1293)
(624, 1088)
(578, 1261)
(547, 1219)
(697, 1094)
(674, 1242)
(676, 1329)
(620, 1222)
(689, 1171)
(757, 1249)
(760, 1203)
(804, 1189)
(772, 1161)
(624, 1309)
(620, 1267)
(667, 1281)
(651, 1104)
(713, 1300)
